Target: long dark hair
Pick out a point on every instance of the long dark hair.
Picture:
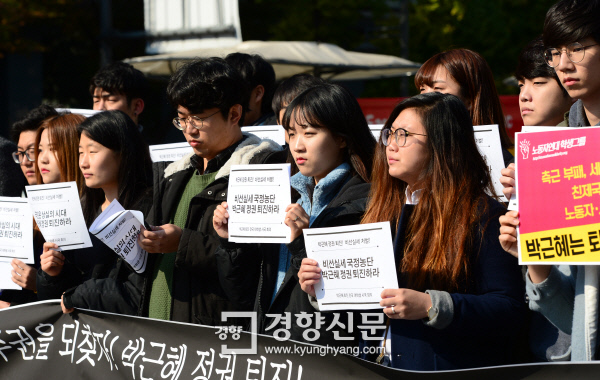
(116, 131)
(454, 182)
(333, 107)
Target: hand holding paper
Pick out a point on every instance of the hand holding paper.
(355, 264)
(119, 229)
(220, 218)
(508, 181)
(508, 232)
(309, 275)
(297, 219)
(23, 275)
(257, 198)
(408, 304)
(52, 261)
(162, 239)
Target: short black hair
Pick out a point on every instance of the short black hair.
(120, 78)
(207, 83)
(290, 88)
(31, 121)
(570, 21)
(255, 70)
(533, 65)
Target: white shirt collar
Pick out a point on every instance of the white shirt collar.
(413, 199)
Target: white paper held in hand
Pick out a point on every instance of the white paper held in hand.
(357, 263)
(57, 212)
(257, 198)
(16, 230)
(118, 229)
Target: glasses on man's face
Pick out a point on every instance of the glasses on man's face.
(194, 121)
(18, 156)
(575, 53)
(399, 136)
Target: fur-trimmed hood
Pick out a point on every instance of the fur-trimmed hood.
(250, 147)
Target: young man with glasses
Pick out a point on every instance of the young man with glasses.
(184, 285)
(572, 37)
(23, 133)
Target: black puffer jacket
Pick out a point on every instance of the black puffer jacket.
(97, 278)
(244, 268)
(197, 296)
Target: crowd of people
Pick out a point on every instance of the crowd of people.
(463, 301)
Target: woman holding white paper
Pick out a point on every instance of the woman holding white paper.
(115, 162)
(332, 148)
(460, 304)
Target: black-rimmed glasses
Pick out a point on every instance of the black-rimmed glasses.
(399, 135)
(194, 121)
(18, 156)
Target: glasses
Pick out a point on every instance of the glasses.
(399, 135)
(575, 53)
(194, 121)
(18, 156)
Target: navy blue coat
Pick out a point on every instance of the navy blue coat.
(489, 318)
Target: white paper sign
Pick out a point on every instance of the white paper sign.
(376, 130)
(257, 198)
(16, 230)
(78, 111)
(271, 132)
(57, 212)
(6, 281)
(512, 202)
(488, 142)
(170, 152)
(118, 229)
(357, 263)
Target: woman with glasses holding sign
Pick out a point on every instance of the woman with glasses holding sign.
(332, 147)
(460, 301)
(115, 162)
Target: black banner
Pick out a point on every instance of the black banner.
(38, 341)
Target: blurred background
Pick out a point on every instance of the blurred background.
(49, 49)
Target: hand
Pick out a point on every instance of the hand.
(64, 309)
(309, 275)
(52, 261)
(23, 275)
(297, 219)
(162, 239)
(508, 181)
(508, 240)
(4, 304)
(408, 304)
(220, 219)
(508, 232)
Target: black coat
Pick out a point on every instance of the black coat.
(97, 278)
(489, 316)
(248, 272)
(197, 296)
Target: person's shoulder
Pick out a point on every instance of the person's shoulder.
(354, 193)
(254, 150)
(167, 169)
